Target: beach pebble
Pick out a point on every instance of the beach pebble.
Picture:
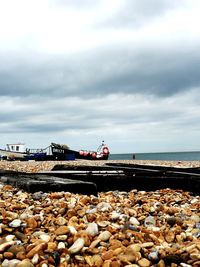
(115, 215)
(104, 236)
(134, 221)
(153, 256)
(45, 237)
(15, 223)
(62, 230)
(25, 263)
(149, 222)
(61, 221)
(92, 229)
(10, 263)
(104, 206)
(77, 246)
(6, 245)
(144, 262)
(61, 245)
(195, 218)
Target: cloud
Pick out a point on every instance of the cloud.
(125, 71)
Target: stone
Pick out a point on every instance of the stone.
(15, 223)
(25, 263)
(35, 250)
(31, 222)
(92, 229)
(134, 221)
(144, 262)
(77, 246)
(8, 255)
(62, 230)
(104, 236)
(107, 255)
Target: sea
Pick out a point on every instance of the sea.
(174, 156)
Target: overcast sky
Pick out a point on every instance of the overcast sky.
(81, 71)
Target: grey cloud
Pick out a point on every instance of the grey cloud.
(146, 71)
(149, 72)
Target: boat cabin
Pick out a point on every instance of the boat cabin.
(19, 147)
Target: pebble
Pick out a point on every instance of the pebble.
(144, 262)
(15, 223)
(149, 222)
(77, 246)
(134, 221)
(92, 229)
(132, 229)
(45, 237)
(62, 230)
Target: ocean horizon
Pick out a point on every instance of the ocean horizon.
(173, 156)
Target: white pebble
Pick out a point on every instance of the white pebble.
(15, 223)
(134, 221)
(77, 246)
(104, 236)
(45, 237)
(61, 245)
(92, 229)
(35, 259)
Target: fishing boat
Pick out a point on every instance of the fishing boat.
(63, 152)
(13, 151)
(18, 151)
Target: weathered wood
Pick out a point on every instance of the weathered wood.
(37, 182)
(140, 181)
(119, 177)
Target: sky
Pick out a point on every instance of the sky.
(77, 72)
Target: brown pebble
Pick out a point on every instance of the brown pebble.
(25, 263)
(114, 243)
(126, 258)
(21, 255)
(35, 250)
(97, 260)
(32, 223)
(8, 255)
(107, 255)
(71, 213)
(161, 263)
(107, 263)
(169, 236)
(62, 230)
(16, 248)
(144, 262)
(7, 188)
(56, 195)
(115, 264)
(21, 236)
(51, 246)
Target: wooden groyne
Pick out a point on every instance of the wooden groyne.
(109, 177)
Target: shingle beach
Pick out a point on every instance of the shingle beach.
(135, 228)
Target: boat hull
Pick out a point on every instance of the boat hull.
(11, 154)
(62, 153)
